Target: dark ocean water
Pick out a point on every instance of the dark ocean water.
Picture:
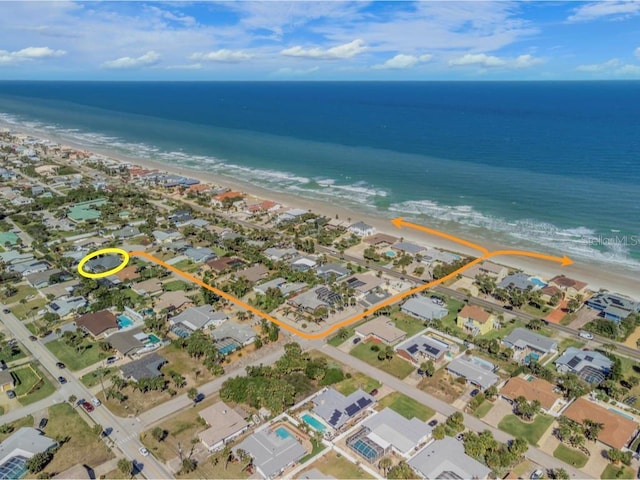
(556, 164)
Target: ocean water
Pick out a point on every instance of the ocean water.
(555, 165)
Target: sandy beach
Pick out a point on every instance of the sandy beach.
(598, 276)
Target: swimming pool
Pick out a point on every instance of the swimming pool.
(313, 422)
(390, 253)
(282, 432)
(537, 282)
(124, 321)
(227, 349)
(621, 414)
(153, 338)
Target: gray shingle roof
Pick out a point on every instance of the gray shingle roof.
(575, 360)
(522, 338)
(272, 453)
(446, 459)
(26, 440)
(424, 308)
(395, 429)
(467, 368)
(336, 409)
(145, 367)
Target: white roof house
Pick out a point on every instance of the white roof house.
(446, 459)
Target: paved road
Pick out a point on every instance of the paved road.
(472, 423)
(124, 433)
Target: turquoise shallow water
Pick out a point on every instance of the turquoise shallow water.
(555, 164)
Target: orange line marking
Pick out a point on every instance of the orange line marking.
(389, 301)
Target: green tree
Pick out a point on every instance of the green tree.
(125, 466)
(159, 434)
(192, 393)
(518, 447)
(384, 464)
(402, 471)
(428, 368)
(560, 474)
(39, 461)
(188, 465)
(439, 432)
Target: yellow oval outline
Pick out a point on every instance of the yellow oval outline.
(103, 251)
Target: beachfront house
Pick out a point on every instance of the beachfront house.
(613, 306)
(361, 229)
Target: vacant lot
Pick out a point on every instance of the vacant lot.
(530, 431)
(407, 323)
(613, 472)
(442, 385)
(32, 383)
(357, 380)
(395, 366)
(24, 291)
(570, 456)
(406, 406)
(74, 360)
(334, 465)
(81, 443)
(93, 378)
(483, 409)
(25, 310)
(180, 362)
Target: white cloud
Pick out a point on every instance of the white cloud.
(614, 10)
(224, 55)
(599, 67)
(637, 52)
(526, 61)
(346, 50)
(402, 61)
(478, 59)
(287, 71)
(174, 17)
(146, 60)
(628, 69)
(190, 66)
(29, 53)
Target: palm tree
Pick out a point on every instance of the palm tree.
(385, 464)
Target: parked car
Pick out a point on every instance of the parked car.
(111, 360)
(474, 392)
(62, 380)
(6, 310)
(373, 392)
(198, 398)
(433, 423)
(106, 432)
(33, 338)
(587, 335)
(80, 401)
(88, 407)
(60, 365)
(143, 451)
(356, 340)
(96, 402)
(537, 474)
(11, 394)
(43, 423)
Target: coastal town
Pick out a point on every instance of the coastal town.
(493, 373)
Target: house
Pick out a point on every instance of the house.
(166, 236)
(380, 240)
(328, 269)
(125, 232)
(180, 217)
(264, 206)
(291, 215)
(143, 368)
(128, 342)
(26, 268)
(550, 291)
(282, 285)
(98, 323)
(475, 320)
(617, 429)
(254, 273)
(7, 382)
(272, 453)
(571, 288)
(172, 301)
(230, 196)
(446, 458)
(103, 263)
(200, 254)
(613, 306)
(13, 257)
(196, 318)
(475, 370)
(336, 409)
(408, 248)
(422, 348)
(533, 389)
(493, 270)
(224, 423)
(302, 264)
(230, 331)
(591, 366)
(524, 340)
(221, 264)
(516, 281)
(150, 287)
(18, 448)
(434, 255)
(424, 308)
(86, 211)
(361, 229)
(42, 279)
(129, 272)
(364, 283)
(64, 306)
(277, 254)
(317, 297)
(381, 329)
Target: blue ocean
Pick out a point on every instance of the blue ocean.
(554, 164)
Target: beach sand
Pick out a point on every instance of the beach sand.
(598, 276)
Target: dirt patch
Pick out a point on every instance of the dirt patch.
(584, 316)
(443, 386)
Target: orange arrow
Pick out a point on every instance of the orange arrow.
(399, 223)
(564, 260)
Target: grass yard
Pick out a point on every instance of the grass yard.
(83, 444)
(502, 332)
(317, 448)
(220, 252)
(531, 432)
(18, 424)
(23, 292)
(483, 409)
(210, 469)
(396, 366)
(407, 323)
(72, 359)
(4, 355)
(32, 383)
(93, 378)
(614, 472)
(336, 340)
(335, 465)
(357, 380)
(23, 311)
(570, 456)
(570, 342)
(442, 385)
(180, 362)
(175, 285)
(538, 312)
(568, 318)
(406, 406)
(186, 265)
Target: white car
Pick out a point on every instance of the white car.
(537, 474)
(587, 335)
(143, 451)
(96, 402)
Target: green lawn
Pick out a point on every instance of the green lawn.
(336, 340)
(220, 252)
(335, 465)
(18, 424)
(570, 456)
(538, 312)
(357, 380)
(32, 383)
(483, 409)
(92, 378)
(317, 448)
(175, 285)
(72, 359)
(406, 406)
(570, 342)
(613, 472)
(4, 355)
(23, 311)
(23, 292)
(504, 331)
(531, 432)
(407, 323)
(396, 366)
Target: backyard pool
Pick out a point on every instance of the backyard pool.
(282, 432)
(153, 339)
(313, 422)
(390, 253)
(124, 321)
(537, 282)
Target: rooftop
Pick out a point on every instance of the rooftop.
(336, 409)
(472, 369)
(391, 428)
(145, 367)
(535, 389)
(522, 338)
(97, 322)
(475, 313)
(382, 327)
(446, 459)
(223, 422)
(271, 452)
(617, 429)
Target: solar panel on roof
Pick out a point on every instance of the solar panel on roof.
(573, 362)
(430, 349)
(334, 418)
(363, 402)
(55, 307)
(412, 349)
(589, 358)
(352, 409)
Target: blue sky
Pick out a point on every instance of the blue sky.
(331, 40)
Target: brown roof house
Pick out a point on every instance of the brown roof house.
(475, 320)
(98, 323)
(617, 430)
(534, 389)
(571, 287)
(225, 424)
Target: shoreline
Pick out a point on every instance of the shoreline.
(598, 275)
